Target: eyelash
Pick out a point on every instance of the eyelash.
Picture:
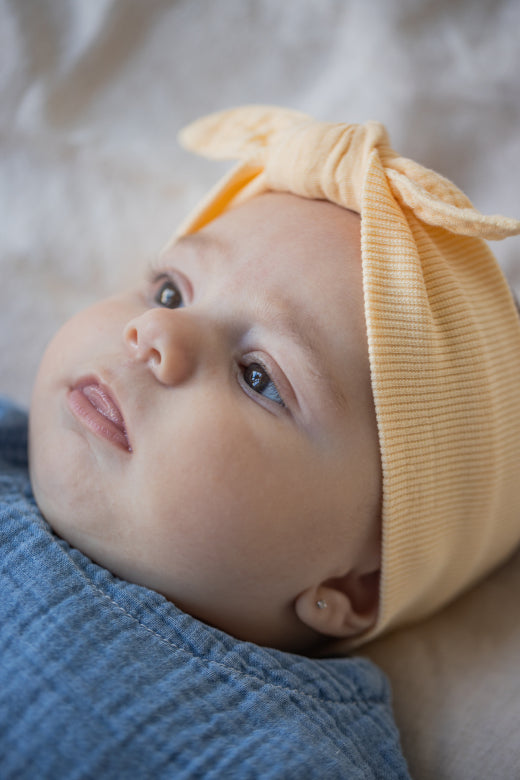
(160, 281)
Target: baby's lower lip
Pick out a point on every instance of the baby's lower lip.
(92, 404)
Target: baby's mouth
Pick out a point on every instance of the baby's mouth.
(92, 403)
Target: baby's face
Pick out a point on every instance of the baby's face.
(211, 434)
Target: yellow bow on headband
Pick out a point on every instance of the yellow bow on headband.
(286, 150)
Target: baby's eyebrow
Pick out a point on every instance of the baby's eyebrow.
(204, 241)
(194, 243)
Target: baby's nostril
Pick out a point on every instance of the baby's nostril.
(131, 336)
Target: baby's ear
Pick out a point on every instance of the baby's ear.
(341, 607)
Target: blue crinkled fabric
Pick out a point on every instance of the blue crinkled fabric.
(100, 678)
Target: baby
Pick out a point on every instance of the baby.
(304, 425)
(300, 431)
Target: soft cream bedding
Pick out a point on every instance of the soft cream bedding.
(92, 184)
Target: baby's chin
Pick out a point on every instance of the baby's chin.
(41, 479)
(52, 511)
(52, 483)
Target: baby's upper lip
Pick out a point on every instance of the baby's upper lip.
(103, 399)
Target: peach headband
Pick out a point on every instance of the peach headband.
(443, 333)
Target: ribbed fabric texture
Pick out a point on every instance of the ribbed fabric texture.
(443, 332)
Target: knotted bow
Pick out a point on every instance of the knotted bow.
(284, 150)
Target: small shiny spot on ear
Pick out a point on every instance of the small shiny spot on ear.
(321, 604)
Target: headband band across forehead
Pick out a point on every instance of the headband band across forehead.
(443, 334)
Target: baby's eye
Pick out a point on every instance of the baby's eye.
(259, 380)
(169, 295)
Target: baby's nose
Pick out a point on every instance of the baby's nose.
(168, 342)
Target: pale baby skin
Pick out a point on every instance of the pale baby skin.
(211, 434)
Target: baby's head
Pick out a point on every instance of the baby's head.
(244, 481)
(277, 429)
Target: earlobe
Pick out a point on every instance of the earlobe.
(341, 607)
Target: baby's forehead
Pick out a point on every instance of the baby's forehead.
(285, 246)
(298, 231)
(281, 247)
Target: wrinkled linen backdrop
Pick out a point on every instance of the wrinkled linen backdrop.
(93, 183)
